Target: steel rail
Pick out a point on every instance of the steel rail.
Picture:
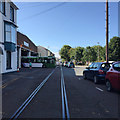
(28, 100)
(65, 110)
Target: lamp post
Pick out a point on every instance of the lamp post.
(98, 52)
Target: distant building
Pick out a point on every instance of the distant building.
(25, 47)
(8, 39)
(43, 52)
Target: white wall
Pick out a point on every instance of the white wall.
(43, 51)
(13, 54)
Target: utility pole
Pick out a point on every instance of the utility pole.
(107, 30)
(98, 53)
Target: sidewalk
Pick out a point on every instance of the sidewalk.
(81, 66)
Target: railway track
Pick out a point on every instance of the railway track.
(29, 99)
(65, 110)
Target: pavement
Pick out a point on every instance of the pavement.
(85, 99)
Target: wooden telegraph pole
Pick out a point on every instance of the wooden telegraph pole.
(107, 30)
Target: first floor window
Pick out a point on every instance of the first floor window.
(8, 59)
(10, 33)
(2, 6)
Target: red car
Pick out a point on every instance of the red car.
(113, 77)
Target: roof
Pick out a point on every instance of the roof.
(13, 5)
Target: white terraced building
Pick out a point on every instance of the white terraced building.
(8, 36)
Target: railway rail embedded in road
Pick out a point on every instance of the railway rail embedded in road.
(65, 110)
(28, 100)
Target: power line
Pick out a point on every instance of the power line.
(45, 11)
(27, 7)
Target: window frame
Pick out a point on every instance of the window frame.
(12, 39)
(12, 14)
(2, 7)
(118, 70)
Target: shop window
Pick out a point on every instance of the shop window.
(8, 59)
(10, 33)
(11, 13)
(2, 7)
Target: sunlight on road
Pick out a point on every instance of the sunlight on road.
(79, 70)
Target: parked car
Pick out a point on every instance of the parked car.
(65, 63)
(113, 77)
(71, 65)
(96, 71)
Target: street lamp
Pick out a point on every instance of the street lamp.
(98, 52)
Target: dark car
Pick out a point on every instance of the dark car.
(71, 65)
(113, 77)
(96, 71)
(66, 64)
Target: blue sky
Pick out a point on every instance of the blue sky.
(72, 23)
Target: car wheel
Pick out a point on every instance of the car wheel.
(95, 80)
(84, 76)
(108, 85)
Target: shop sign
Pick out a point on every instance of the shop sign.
(26, 44)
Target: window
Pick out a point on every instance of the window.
(11, 13)
(96, 65)
(105, 66)
(10, 33)
(8, 60)
(2, 7)
(117, 67)
(91, 65)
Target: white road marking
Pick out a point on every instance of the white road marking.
(99, 89)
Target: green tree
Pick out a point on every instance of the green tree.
(72, 53)
(64, 52)
(114, 49)
(79, 53)
(100, 52)
(89, 54)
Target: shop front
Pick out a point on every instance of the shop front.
(25, 48)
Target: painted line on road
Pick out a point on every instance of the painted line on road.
(65, 110)
(28, 100)
(99, 89)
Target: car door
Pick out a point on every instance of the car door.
(89, 71)
(94, 70)
(115, 76)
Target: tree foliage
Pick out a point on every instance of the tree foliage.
(91, 54)
(64, 52)
(114, 49)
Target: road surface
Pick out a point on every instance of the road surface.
(56, 93)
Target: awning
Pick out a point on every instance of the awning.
(1, 51)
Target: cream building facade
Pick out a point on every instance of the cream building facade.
(8, 36)
(43, 52)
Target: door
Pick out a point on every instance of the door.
(115, 76)
(89, 71)
(1, 53)
(0, 64)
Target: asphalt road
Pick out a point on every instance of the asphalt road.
(84, 98)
